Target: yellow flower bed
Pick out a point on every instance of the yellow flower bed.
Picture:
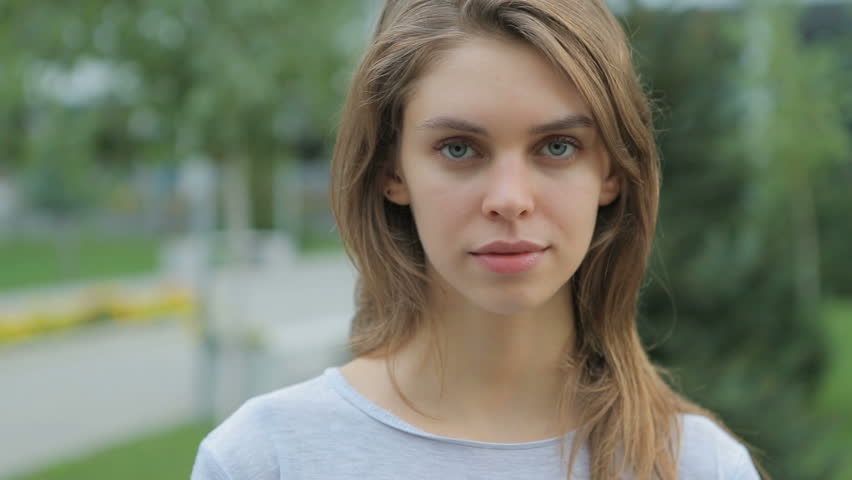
(97, 305)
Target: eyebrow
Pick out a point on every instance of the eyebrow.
(565, 123)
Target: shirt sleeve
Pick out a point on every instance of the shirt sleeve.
(240, 448)
(744, 469)
(207, 466)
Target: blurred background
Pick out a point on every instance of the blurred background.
(166, 248)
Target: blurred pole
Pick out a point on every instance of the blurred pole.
(201, 190)
(237, 210)
(289, 199)
(8, 201)
(240, 248)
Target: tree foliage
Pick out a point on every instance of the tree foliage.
(155, 80)
(731, 306)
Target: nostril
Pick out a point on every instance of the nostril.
(509, 213)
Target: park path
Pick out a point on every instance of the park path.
(65, 395)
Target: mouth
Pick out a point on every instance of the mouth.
(507, 258)
(509, 248)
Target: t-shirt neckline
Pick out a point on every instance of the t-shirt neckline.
(342, 387)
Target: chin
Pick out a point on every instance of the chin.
(508, 304)
(519, 299)
(508, 298)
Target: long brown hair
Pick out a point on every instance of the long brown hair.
(630, 415)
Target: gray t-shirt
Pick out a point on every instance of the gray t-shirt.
(324, 429)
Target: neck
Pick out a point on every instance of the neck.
(489, 366)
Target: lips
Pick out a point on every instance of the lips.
(508, 258)
(509, 248)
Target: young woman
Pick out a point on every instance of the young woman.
(495, 181)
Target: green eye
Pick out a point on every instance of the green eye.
(559, 148)
(456, 150)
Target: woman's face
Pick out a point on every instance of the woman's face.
(504, 171)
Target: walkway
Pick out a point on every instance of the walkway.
(68, 394)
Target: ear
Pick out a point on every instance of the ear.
(395, 189)
(610, 188)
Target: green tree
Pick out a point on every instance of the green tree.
(248, 83)
(733, 305)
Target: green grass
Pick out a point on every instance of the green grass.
(314, 243)
(835, 396)
(164, 456)
(29, 261)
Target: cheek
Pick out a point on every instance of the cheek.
(573, 207)
(441, 206)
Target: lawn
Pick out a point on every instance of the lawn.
(163, 456)
(835, 397)
(38, 261)
(34, 261)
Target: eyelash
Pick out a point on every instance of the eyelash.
(472, 144)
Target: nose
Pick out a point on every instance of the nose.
(509, 192)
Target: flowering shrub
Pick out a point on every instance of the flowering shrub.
(96, 306)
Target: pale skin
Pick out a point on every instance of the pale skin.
(496, 145)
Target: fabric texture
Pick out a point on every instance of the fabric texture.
(324, 429)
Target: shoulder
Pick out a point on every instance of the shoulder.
(708, 452)
(248, 443)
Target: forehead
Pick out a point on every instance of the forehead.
(494, 81)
